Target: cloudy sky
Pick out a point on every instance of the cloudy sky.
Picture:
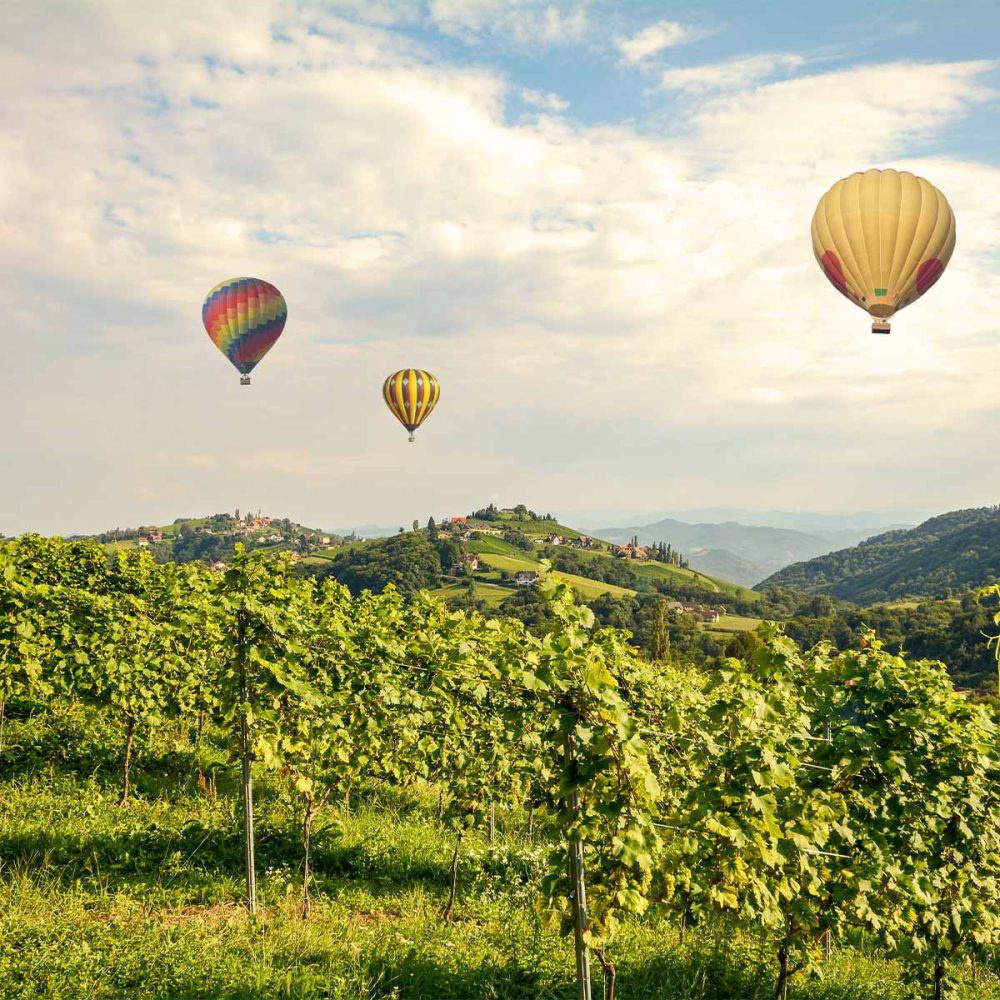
(589, 220)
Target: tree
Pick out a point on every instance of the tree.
(659, 648)
(431, 525)
(410, 561)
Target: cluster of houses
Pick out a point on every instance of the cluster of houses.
(632, 552)
(582, 542)
(251, 524)
(698, 610)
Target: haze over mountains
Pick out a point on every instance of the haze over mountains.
(743, 553)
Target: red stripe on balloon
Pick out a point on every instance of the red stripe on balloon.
(835, 273)
(928, 273)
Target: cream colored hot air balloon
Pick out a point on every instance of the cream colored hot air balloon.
(883, 237)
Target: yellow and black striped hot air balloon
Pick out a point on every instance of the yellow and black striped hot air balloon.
(411, 394)
(883, 238)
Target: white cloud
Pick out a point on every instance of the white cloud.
(530, 22)
(653, 39)
(612, 314)
(544, 100)
(733, 74)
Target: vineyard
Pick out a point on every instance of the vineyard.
(211, 769)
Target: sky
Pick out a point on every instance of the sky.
(589, 220)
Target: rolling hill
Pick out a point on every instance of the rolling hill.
(210, 539)
(957, 550)
(476, 558)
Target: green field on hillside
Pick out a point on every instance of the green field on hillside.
(588, 588)
(535, 528)
(122, 544)
(732, 624)
(495, 546)
(493, 594)
(513, 564)
(592, 588)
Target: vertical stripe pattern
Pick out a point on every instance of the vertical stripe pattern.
(244, 317)
(411, 394)
(883, 237)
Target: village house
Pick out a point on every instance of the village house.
(698, 610)
(554, 539)
(525, 577)
(468, 560)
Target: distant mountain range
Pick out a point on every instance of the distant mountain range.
(957, 550)
(743, 553)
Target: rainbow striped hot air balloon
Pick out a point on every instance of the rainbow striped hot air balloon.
(244, 317)
(411, 394)
(883, 238)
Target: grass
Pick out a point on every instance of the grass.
(318, 558)
(102, 902)
(488, 544)
(127, 544)
(661, 571)
(592, 588)
(733, 623)
(493, 594)
(588, 588)
(513, 564)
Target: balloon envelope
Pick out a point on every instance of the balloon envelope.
(883, 238)
(411, 394)
(244, 317)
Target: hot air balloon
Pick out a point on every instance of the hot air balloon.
(411, 394)
(883, 237)
(244, 317)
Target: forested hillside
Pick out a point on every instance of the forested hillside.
(952, 552)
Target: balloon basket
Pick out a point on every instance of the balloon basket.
(244, 380)
(412, 439)
(880, 326)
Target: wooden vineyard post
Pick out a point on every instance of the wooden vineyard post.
(248, 841)
(578, 886)
(827, 937)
